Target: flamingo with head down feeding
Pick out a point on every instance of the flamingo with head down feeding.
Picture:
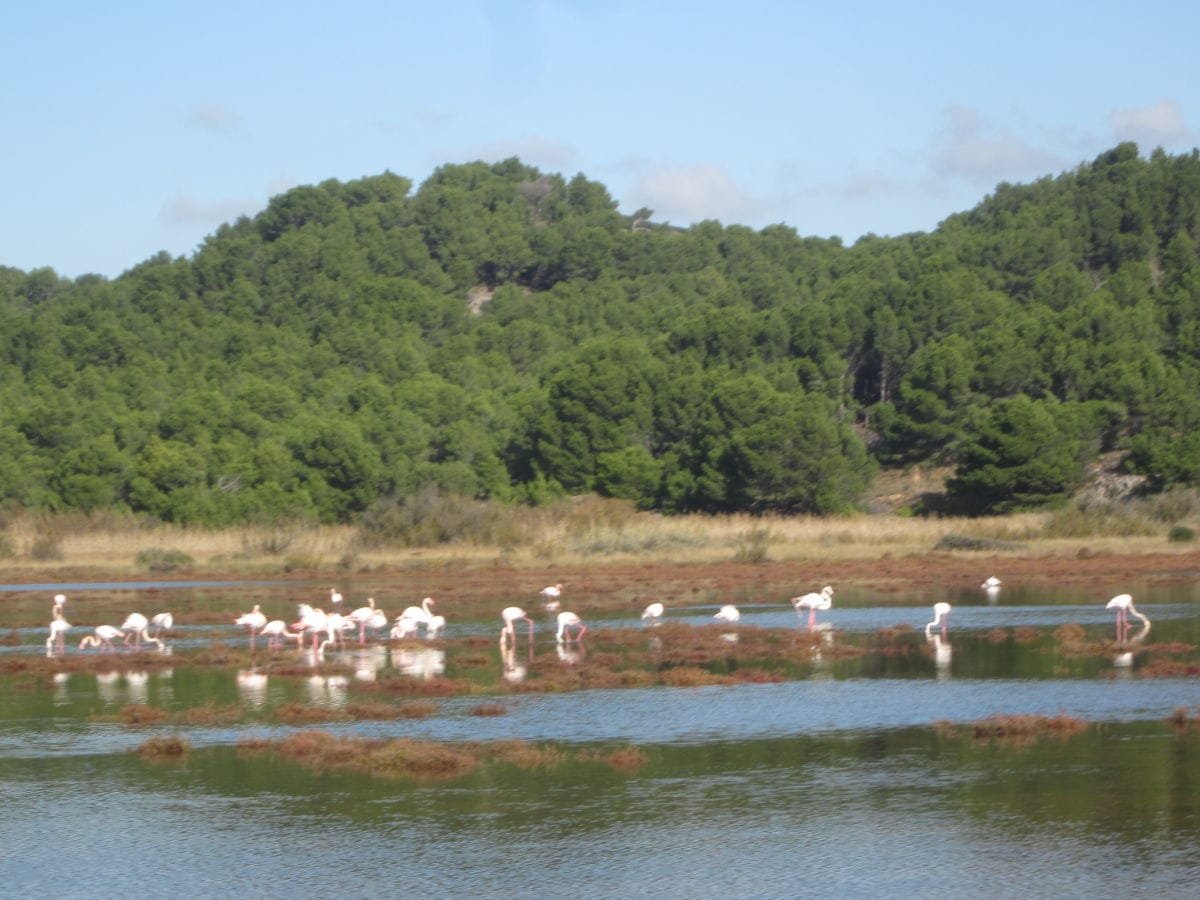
(135, 626)
(813, 602)
(1123, 604)
(510, 615)
(727, 613)
(567, 621)
(941, 612)
(653, 612)
(103, 637)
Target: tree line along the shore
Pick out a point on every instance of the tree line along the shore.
(505, 334)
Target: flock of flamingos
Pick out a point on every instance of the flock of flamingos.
(326, 628)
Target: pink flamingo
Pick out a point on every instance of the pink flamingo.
(1123, 604)
(567, 621)
(59, 627)
(276, 631)
(135, 626)
(312, 621)
(102, 638)
(941, 612)
(813, 602)
(254, 620)
(361, 617)
(510, 616)
(551, 595)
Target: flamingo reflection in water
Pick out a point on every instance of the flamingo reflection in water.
(943, 654)
(512, 670)
(252, 686)
(420, 662)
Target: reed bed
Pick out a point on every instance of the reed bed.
(578, 531)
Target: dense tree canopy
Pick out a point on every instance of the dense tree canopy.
(505, 333)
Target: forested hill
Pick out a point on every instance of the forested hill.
(504, 333)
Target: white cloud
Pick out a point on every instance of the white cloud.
(211, 117)
(972, 149)
(1161, 123)
(692, 193)
(186, 211)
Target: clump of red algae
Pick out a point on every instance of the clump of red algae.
(997, 636)
(139, 714)
(303, 714)
(489, 709)
(1018, 727)
(1025, 635)
(164, 748)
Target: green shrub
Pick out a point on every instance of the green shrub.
(1181, 534)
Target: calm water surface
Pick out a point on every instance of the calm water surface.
(833, 785)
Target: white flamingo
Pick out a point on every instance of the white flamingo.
(361, 617)
(378, 621)
(59, 627)
(550, 596)
(254, 620)
(403, 628)
(135, 626)
(335, 599)
(941, 612)
(434, 627)
(814, 602)
(567, 621)
(420, 613)
(510, 615)
(276, 630)
(1123, 604)
(60, 600)
(312, 621)
(653, 612)
(162, 621)
(727, 613)
(103, 637)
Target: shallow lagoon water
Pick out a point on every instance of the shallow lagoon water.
(832, 785)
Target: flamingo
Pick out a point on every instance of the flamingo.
(813, 602)
(551, 593)
(162, 621)
(653, 612)
(335, 599)
(254, 619)
(312, 621)
(135, 626)
(510, 615)
(60, 601)
(941, 612)
(361, 617)
(335, 628)
(567, 621)
(379, 620)
(403, 628)
(1123, 604)
(435, 626)
(992, 583)
(419, 613)
(102, 638)
(727, 613)
(59, 627)
(276, 631)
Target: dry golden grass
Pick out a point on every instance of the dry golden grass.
(583, 531)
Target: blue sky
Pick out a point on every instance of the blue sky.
(135, 127)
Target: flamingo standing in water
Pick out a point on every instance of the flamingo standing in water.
(403, 628)
(510, 615)
(727, 613)
(653, 612)
(567, 621)
(312, 621)
(60, 600)
(434, 627)
(941, 612)
(135, 626)
(361, 617)
(1123, 604)
(551, 595)
(254, 620)
(813, 602)
(420, 613)
(162, 621)
(335, 599)
(103, 637)
(59, 627)
(276, 631)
